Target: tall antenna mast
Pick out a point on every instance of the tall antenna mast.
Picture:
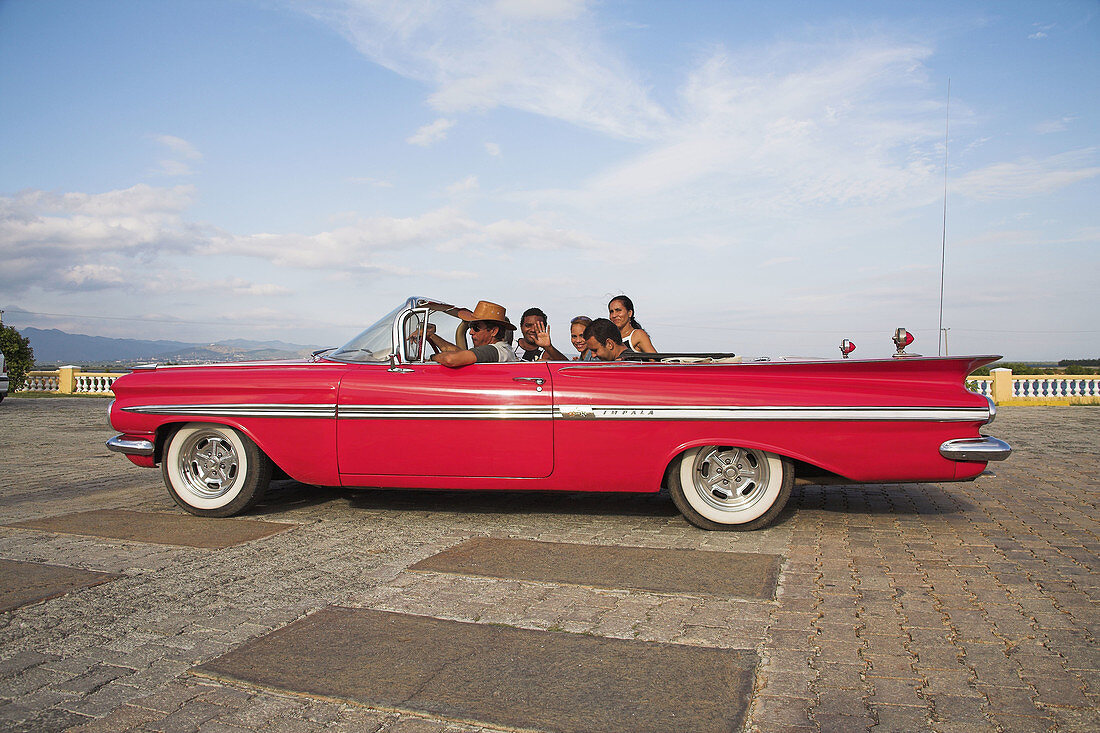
(943, 242)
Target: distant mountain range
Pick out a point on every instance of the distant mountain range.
(53, 347)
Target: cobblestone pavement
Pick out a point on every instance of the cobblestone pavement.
(947, 607)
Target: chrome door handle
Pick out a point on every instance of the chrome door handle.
(539, 381)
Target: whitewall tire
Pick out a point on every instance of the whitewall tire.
(213, 470)
(726, 487)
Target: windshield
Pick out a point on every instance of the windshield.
(374, 344)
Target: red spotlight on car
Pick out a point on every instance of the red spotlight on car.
(846, 347)
(903, 338)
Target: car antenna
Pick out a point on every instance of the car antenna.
(940, 335)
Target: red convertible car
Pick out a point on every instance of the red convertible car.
(726, 439)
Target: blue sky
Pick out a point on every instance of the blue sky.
(764, 178)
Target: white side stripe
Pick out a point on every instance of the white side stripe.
(572, 412)
(249, 410)
(720, 412)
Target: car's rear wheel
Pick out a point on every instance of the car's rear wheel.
(726, 487)
(214, 470)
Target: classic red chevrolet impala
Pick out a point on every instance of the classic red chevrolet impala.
(726, 439)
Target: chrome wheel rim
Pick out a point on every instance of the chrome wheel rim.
(209, 464)
(730, 479)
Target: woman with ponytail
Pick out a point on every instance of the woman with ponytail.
(621, 312)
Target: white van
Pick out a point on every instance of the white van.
(3, 378)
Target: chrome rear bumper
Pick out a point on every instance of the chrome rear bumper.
(976, 449)
(130, 446)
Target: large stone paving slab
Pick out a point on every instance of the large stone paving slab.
(163, 529)
(518, 678)
(22, 583)
(661, 570)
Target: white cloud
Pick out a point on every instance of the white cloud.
(1041, 30)
(546, 57)
(132, 240)
(170, 167)
(768, 131)
(179, 146)
(77, 240)
(1029, 176)
(365, 244)
(93, 276)
(182, 151)
(140, 216)
(431, 133)
(492, 149)
(540, 9)
(1049, 126)
(466, 185)
(179, 281)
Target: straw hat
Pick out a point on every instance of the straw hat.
(487, 311)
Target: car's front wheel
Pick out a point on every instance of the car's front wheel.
(214, 470)
(725, 487)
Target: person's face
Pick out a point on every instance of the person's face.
(481, 333)
(528, 326)
(618, 314)
(576, 335)
(603, 351)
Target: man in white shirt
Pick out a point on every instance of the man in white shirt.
(534, 342)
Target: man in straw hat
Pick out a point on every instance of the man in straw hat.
(490, 332)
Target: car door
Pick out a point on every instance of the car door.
(425, 419)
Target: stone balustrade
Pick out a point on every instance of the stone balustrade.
(40, 381)
(1002, 386)
(70, 380)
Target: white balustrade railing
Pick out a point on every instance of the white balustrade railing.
(70, 380)
(40, 382)
(1008, 386)
(1040, 387)
(981, 385)
(94, 383)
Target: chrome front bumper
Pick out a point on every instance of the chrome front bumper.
(976, 449)
(130, 446)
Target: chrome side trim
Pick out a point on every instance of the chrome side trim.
(976, 449)
(992, 410)
(121, 444)
(447, 412)
(703, 412)
(571, 412)
(238, 410)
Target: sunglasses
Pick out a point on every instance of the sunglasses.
(475, 327)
